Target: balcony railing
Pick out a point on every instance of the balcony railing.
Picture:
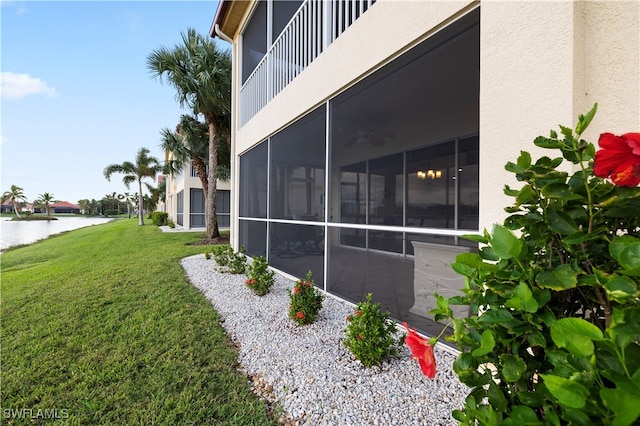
(315, 25)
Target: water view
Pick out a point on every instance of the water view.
(13, 233)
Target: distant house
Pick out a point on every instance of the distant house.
(64, 207)
(6, 207)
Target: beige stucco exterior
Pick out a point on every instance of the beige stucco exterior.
(185, 182)
(541, 64)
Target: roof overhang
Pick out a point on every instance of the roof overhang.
(229, 17)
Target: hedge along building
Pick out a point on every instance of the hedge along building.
(367, 136)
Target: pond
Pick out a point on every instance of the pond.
(13, 233)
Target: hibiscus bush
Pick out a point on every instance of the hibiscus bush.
(554, 331)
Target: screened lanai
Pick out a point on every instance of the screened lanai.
(372, 189)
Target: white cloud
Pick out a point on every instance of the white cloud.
(17, 86)
(20, 6)
(3, 139)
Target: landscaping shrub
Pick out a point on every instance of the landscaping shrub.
(221, 254)
(554, 332)
(159, 218)
(231, 262)
(370, 334)
(259, 277)
(305, 301)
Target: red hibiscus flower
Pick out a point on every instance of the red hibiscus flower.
(618, 158)
(300, 315)
(296, 290)
(422, 351)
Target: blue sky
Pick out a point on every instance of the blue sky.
(76, 94)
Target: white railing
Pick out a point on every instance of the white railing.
(315, 25)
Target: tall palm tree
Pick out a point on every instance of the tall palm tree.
(46, 200)
(15, 196)
(201, 75)
(145, 167)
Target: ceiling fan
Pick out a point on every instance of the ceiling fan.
(368, 136)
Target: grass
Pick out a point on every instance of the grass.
(101, 324)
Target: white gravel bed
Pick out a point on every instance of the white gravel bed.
(310, 373)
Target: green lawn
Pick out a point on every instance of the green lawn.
(101, 325)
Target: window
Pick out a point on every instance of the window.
(196, 209)
(253, 182)
(297, 169)
(254, 40)
(223, 207)
(180, 208)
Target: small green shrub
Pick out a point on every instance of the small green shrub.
(171, 224)
(207, 254)
(237, 262)
(369, 334)
(305, 301)
(260, 277)
(159, 218)
(221, 254)
(231, 262)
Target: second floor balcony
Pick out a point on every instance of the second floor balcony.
(314, 26)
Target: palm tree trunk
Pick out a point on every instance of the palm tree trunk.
(15, 208)
(140, 201)
(211, 210)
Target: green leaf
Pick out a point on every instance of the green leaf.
(526, 195)
(629, 258)
(521, 415)
(585, 120)
(487, 343)
(561, 222)
(512, 367)
(575, 335)
(524, 160)
(562, 277)
(569, 393)
(559, 190)
(522, 299)
(535, 338)
(625, 405)
(495, 316)
(551, 143)
(621, 289)
(577, 238)
(504, 243)
(496, 397)
(476, 238)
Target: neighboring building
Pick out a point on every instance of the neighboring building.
(185, 201)
(367, 136)
(6, 207)
(63, 207)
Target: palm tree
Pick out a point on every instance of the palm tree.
(201, 74)
(15, 195)
(112, 202)
(128, 199)
(144, 167)
(190, 143)
(45, 200)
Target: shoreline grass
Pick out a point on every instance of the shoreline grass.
(101, 326)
